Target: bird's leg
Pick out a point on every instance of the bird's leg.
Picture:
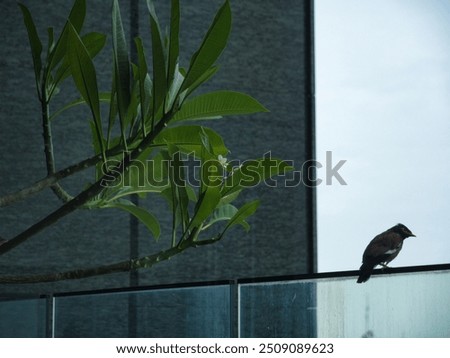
(383, 266)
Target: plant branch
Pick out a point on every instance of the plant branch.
(48, 145)
(124, 266)
(48, 181)
(55, 177)
(90, 192)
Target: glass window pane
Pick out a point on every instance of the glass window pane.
(387, 306)
(23, 318)
(408, 305)
(282, 309)
(177, 312)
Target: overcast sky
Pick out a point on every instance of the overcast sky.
(383, 104)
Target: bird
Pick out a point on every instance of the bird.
(382, 249)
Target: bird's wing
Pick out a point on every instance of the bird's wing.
(383, 244)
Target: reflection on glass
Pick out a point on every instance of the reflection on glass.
(402, 305)
(387, 306)
(178, 312)
(23, 318)
(409, 305)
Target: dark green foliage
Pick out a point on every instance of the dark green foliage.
(155, 113)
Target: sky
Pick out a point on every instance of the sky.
(383, 105)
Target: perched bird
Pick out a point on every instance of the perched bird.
(382, 250)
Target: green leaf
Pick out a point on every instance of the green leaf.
(103, 97)
(112, 113)
(78, 14)
(206, 205)
(51, 41)
(211, 173)
(85, 78)
(229, 198)
(94, 42)
(174, 45)
(178, 180)
(133, 108)
(205, 142)
(188, 139)
(211, 47)
(144, 95)
(121, 67)
(174, 89)
(179, 195)
(218, 104)
(35, 44)
(207, 75)
(159, 62)
(243, 213)
(141, 214)
(144, 175)
(222, 213)
(166, 193)
(76, 18)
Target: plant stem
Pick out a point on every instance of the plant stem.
(48, 144)
(124, 266)
(55, 177)
(48, 181)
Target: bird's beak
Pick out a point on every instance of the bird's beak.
(413, 235)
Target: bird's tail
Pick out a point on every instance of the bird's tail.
(364, 272)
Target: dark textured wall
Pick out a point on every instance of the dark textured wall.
(269, 56)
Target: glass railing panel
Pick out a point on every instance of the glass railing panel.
(401, 305)
(280, 309)
(23, 318)
(175, 312)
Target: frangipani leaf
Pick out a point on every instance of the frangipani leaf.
(218, 104)
(76, 18)
(144, 94)
(121, 68)
(103, 97)
(243, 213)
(35, 44)
(174, 46)
(225, 213)
(211, 47)
(148, 219)
(94, 43)
(85, 78)
(159, 62)
(188, 139)
(143, 176)
(207, 75)
(206, 205)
